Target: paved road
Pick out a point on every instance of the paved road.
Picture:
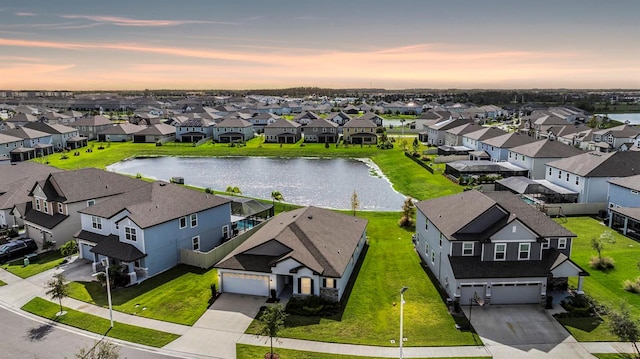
(23, 337)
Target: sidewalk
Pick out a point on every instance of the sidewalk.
(213, 336)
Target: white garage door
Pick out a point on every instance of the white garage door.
(469, 291)
(253, 284)
(85, 251)
(515, 293)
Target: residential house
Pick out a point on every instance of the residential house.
(159, 133)
(283, 131)
(321, 131)
(498, 147)
(307, 251)
(62, 136)
(89, 127)
(435, 132)
(493, 248)
(260, 120)
(473, 140)
(194, 130)
(613, 139)
(535, 155)
(361, 132)
(233, 130)
(453, 136)
(16, 180)
(9, 143)
(338, 117)
(145, 228)
(306, 117)
(624, 205)
(35, 144)
(121, 132)
(21, 119)
(371, 116)
(52, 215)
(587, 174)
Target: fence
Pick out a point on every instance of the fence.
(573, 209)
(452, 158)
(208, 259)
(420, 162)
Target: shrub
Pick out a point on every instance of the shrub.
(603, 264)
(64, 157)
(632, 286)
(578, 306)
(208, 190)
(312, 306)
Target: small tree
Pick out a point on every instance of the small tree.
(624, 326)
(233, 190)
(103, 349)
(272, 320)
(355, 202)
(408, 212)
(58, 289)
(598, 244)
(276, 196)
(415, 144)
(68, 249)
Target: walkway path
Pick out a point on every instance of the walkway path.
(216, 333)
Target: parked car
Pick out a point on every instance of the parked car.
(17, 248)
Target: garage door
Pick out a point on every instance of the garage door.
(469, 291)
(515, 293)
(253, 284)
(85, 251)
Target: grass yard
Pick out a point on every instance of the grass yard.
(2, 283)
(588, 329)
(614, 356)
(372, 313)
(91, 323)
(38, 264)
(180, 295)
(606, 287)
(251, 352)
(408, 177)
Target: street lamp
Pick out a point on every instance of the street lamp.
(402, 124)
(404, 289)
(105, 264)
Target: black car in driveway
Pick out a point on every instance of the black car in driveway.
(17, 248)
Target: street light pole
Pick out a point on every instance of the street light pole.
(404, 289)
(105, 264)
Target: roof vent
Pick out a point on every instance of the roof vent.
(310, 217)
(162, 184)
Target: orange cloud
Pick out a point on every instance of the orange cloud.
(124, 21)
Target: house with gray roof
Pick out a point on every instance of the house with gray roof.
(587, 174)
(233, 129)
(360, 132)
(283, 131)
(535, 155)
(155, 133)
(307, 251)
(373, 117)
(7, 144)
(338, 117)
(194, 129)
(145, 229)
(613, 139)
(453, 136)
(321, 131)
(306, 117)
(16, 181)
(498, 147)
(62, 136)
(624, 205)
(493, 248)
(34, 144)
(51, 214)
(121, 132)
(89, 127)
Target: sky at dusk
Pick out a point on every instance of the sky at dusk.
(253, 44)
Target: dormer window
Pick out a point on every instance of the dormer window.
(37, 204)
(562, 243)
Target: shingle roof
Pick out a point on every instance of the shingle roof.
(156, 203)
(598, 164)
(546, 149)
(282, 123)
(122, 129)
(50, 128)
(319, 239)
(42, 219)
(17, 180)
(234, 123)
(321, 122)
(485, 133)
(112, 247)
(97, 120)
(4, 138)
(26, 133)
(358, 123)
(632, 212)
(508, 140)
(157, 129)
(631, 182)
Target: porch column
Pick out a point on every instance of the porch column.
(610, 219)
(625, 226)
(580, 282)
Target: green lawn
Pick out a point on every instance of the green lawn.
(91, 323)
(38, 264)
(606, 287)
(2, 283)
(372, 313)
(614, 356)
(588, 329)
(180, 295)
(251, 352)
(408, 177)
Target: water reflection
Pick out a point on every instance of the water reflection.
(319, 182)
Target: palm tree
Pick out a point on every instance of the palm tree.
(276, 196)
(233, 190)
(58, 289)
(355, 202)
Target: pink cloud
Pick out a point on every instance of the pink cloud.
(124, 21)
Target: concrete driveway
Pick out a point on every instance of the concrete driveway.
(220, 327)
(520, 331)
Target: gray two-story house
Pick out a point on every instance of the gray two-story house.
(493, 248)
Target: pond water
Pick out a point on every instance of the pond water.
(319, 182)
(633, 118)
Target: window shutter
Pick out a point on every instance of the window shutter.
(299, 285)
(312, 293)
(335, 283)
(324, 282)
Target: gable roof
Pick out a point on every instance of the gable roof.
(319, 239)
(155, 203)
(282, 123)
(508, 140)
(4, 138)
(26, 133)
(97, 120)
(17, 179)
(50, 128)
(451, 214)
(160, 129)
(321, 122)
(122, 129)
(546, 149)
(631, 182)
(234, 123)
(359, 123)
(485, 133)
(598, 164)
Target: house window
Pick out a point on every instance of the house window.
(426, 226)
(194, 220)
(562, 243)
(130, 234)
(225, 232)
(329, 283)
(549, 171)
(183, 222)
(45, 205)
(60, 208)
(433, 256)
(467, 248)
(96, 222)
(91, 202)
(545, 243)
(195, 242)
(426, 249)
(567, 177)
(37, 204)
(523, 250)
(634, 192)
(576, 180)
(500, 253)
(305, 285)
(559, 174)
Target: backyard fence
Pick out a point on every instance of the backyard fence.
(208, 259)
